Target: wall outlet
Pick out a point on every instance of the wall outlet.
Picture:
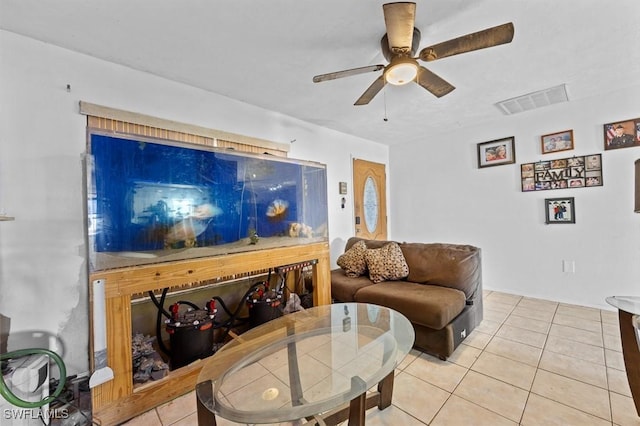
(463, 333)
(569, 266)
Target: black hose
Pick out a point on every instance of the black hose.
(233, 317)
(160, 306)
(193, 305)
(223, 305)
(161, 310)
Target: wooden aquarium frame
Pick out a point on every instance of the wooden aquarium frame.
(116, 401)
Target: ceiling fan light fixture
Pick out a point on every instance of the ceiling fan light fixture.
(401, 71)
(400, 44)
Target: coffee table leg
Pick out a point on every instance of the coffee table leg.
(631, 355)
(205, 416)
(385, 388)
(294, 370)
(357, 407)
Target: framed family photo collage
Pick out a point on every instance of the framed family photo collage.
(572, 172)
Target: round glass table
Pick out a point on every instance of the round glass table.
(319, 363)
(629, 304)
(629, 319)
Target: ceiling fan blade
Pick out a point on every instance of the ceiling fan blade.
(433, 83)
(490, 37)
(399, 19)
(373, 90)
(347, 73)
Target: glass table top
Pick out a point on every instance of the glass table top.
(304, 363)
(629, 304)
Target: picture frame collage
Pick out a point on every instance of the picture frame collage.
(573, 172)
(563, 173)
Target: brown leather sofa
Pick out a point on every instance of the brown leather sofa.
(441, 296)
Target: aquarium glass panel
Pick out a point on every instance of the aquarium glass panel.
(154, 201)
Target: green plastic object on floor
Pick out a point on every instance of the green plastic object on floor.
(12, 398)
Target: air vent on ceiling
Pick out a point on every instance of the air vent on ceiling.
(534, 100)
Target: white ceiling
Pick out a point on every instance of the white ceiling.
(265, 53)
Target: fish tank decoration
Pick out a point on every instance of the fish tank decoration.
(151, 201)
(253, 236)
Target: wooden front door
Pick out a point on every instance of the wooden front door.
(370, 199)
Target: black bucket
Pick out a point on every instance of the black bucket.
(261, 311)
(191, 338)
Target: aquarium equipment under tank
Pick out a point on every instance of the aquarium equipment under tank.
(154, 201)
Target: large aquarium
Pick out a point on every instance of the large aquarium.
(154, 201)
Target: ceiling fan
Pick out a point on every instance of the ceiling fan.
(399, 46)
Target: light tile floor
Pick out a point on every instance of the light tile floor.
(530, 362)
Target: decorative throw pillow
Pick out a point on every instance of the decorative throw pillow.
(352, 260)
(386, 263)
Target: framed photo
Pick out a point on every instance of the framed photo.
(622, 134)
(560, 210)
(555, 142)
(497, 152)
(574, 172)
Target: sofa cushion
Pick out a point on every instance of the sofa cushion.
(344, 288)
(352, 260)
(372, 244)
(386, 263)
(450, 265)
(428, 305)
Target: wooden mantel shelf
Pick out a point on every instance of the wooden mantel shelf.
(117, 401)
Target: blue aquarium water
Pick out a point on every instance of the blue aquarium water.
(146, 196)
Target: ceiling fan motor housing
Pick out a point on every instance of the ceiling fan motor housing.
(410, 50)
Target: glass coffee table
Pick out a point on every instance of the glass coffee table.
(317, 363)
(629, 320)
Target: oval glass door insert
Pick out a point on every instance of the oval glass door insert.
(370, 204)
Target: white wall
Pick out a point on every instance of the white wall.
(446, 198)
(43, 273)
